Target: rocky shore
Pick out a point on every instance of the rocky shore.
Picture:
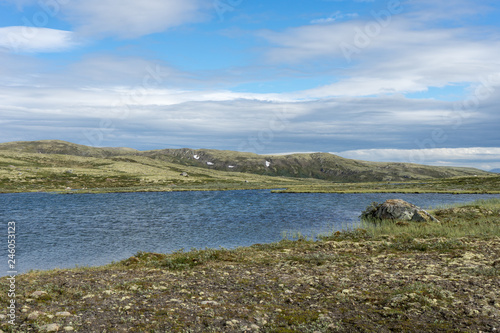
(351, 281)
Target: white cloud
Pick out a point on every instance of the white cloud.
(131, 18)
(19, 39)
(110, 70)
(140, 116)
(431, 12)
(16, 69)
(324, 20)
(334, 17)
(311, 125)
(485, 158)
(369, 58)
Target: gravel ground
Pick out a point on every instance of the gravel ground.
(345, 283)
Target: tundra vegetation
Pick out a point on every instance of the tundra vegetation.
(384, 277)
(389, 276)
(66, 167)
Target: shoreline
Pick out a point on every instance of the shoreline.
(392, 277)
(460, 185)
(273, 189)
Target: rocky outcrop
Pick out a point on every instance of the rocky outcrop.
(397, 209)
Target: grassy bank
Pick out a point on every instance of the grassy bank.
(454, 185)
(477, 219)
(394, 277)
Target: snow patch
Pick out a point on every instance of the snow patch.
(268, 164)
(196, 157)
(210, 163)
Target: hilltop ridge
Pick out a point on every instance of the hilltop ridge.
(323, 166)
(64, 148)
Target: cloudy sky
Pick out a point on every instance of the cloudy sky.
(381, 80)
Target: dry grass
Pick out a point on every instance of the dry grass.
(394, 279)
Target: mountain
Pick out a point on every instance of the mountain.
(495, 170)
(64, 148)
(322, 166)
(312, 165)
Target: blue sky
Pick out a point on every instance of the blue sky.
(409, 81)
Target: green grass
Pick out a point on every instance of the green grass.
(39, 165)
(483, 227)
(25, 172)
(314, 259)
(399, 237)
(454, 185)
(180, 260)
(479, 219)
(382, 277)
(407, 242)
(58, 172)
(61, 166)
(488, 204)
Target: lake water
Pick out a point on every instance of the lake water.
(54, 230)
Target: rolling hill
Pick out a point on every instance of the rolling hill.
(321, 166)
(312, 165)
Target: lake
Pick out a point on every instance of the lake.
(55, 230)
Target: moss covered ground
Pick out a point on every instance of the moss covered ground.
(53, 165)
(35, 172)
(390, 277)
(455, 185)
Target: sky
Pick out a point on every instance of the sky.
(381, 80)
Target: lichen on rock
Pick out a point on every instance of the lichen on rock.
(397, 209)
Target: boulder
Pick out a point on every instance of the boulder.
(397, 209)
(39, 294)
(50, 328)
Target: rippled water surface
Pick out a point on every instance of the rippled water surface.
(56, 230)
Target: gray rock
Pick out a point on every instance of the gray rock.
(63, 314)
(34, 315)
(397, 209)
(38, 294)
(50, 328)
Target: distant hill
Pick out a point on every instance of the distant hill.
(322, 166)
(495, 170)
(312, 165)
(63, 147)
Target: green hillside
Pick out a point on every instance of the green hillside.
(59, 165)
(62, 147)
(315, 165)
